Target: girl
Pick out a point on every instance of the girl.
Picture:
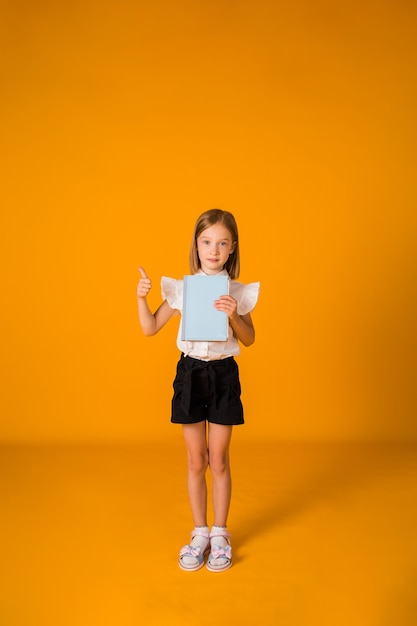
(206, 397)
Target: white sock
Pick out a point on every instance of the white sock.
(200, 541)
(196, 541)
(219, 540)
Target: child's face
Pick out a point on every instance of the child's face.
(214, 245)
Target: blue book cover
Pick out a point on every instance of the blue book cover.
(201, 321)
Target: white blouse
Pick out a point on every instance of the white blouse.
(246, 297)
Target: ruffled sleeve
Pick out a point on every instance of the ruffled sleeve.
(172, 291)
(246, 296)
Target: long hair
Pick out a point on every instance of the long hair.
(207, 219)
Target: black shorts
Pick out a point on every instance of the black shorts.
(207, 390)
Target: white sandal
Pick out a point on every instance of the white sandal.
(192, 557)
(220, 557)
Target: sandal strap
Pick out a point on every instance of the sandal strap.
(197, 532)
(221, 532)
(218, 552)
(190, 551)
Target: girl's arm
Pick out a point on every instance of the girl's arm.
(242, 325)
(151, 323)
(243, 328)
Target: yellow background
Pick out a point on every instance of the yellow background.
(122, 122)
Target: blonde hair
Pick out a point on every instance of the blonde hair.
(207, 219)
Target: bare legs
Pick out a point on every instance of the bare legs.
(204, 450)
(218, 445)
(195, 441)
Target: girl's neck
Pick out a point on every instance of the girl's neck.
(223, 271)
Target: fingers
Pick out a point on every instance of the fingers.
(227, 304)
(144, 285)
(227, 300)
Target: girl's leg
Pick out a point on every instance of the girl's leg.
(196, 444)
(220, 557)
(218, 457)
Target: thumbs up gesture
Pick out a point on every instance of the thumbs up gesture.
(144, 285)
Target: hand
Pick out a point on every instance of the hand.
(228, 305)
(144, 285)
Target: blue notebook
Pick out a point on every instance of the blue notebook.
(200, 320)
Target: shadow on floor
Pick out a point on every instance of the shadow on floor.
(299, 477)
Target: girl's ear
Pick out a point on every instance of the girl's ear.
(233, 248)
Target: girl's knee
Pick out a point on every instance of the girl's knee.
(198, 462)
(219, 463)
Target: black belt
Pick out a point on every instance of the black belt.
(195, 365)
